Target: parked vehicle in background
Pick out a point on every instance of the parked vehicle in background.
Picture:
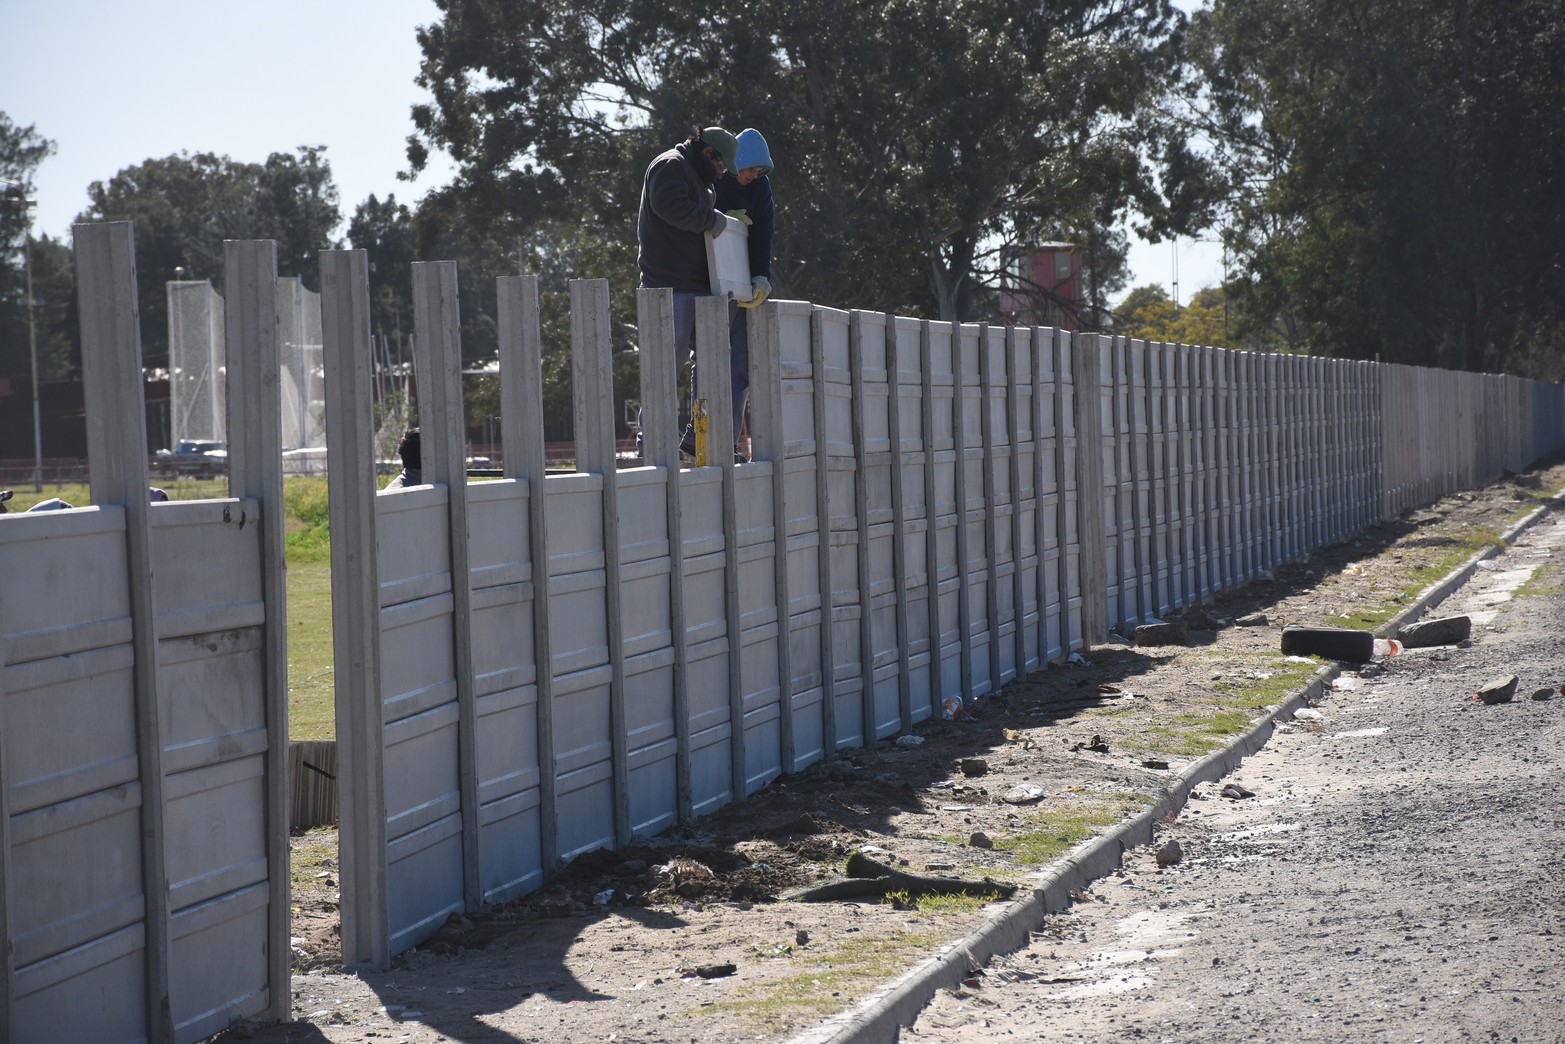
(192, 458)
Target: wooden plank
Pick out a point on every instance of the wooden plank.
(116, 445)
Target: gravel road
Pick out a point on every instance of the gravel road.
(1397, 874)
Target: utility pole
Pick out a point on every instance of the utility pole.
(32, 349)
(13, 191)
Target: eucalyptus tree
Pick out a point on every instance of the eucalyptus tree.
(184, 206)
(1396, 171)
(912, 137)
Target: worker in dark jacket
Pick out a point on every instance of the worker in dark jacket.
(746, 193)
(677, 212)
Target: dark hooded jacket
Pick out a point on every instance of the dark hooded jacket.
(676, 214)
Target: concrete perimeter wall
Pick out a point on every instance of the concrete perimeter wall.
(143, 707)
(535, 667)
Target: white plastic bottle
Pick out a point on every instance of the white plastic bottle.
(1387, 646)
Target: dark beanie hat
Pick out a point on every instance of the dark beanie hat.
(726, 144)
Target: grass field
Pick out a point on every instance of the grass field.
(311, 698)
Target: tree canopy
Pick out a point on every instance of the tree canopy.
(184, 206)
(1396, 173)
(926, 132)
(52, 322)
(1147, 312)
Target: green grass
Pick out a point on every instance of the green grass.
(1056, 830)
(306, 535)
(1547, 579)
(1406, 585)
(313, 853)
(829, 981)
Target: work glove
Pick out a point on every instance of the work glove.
(763, 289)
(741, 215)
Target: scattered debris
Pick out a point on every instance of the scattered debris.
(1545, 694)
(973, 767)
(1447, 630)
(1498, 690)
(801, 938)
(980, 840)
(1098, 745)
(1252, 620)
(1170, 853)
(1236, 792)
(1163, 632)
(1344, 683)
(1200, 620)
(1108, 689)
(1308, 714)
(910, 740)
(1348, 644)
(1154, 763)
(951, 708)
(1023, 794)
(712, 971)
(867, 877)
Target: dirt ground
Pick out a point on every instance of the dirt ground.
(683, 937)
(1393, 875)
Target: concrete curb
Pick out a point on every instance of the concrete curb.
(882, 1014)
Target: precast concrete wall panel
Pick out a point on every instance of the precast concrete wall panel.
(912, 462)
(931, 509)
(973, 551)
(942, 464)
(998, 564)
(143, 707)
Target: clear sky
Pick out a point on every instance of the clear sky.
(114, 83)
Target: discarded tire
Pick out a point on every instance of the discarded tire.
(1334, 643)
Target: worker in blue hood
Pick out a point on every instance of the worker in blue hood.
(745, 193)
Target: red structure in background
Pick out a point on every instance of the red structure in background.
(1042, 285)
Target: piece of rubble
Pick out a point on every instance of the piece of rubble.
(1170, 853)
(1163, 632)
(1543, 694)
(973, 766)
(1237, 792)
(980, 840)
(1499, 690)
(1252, 620)
(1023, 794)
(1447, 630)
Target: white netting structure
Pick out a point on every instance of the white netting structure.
(303, 371)
(197, 361)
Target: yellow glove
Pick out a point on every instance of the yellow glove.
(741, 215)
(762, 288)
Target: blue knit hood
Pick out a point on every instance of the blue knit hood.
(752, 151)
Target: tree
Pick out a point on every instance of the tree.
(384, 231)
(184, 206)
(921, 133)
(1147, 312)
(22, 149)
(1396, 172)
